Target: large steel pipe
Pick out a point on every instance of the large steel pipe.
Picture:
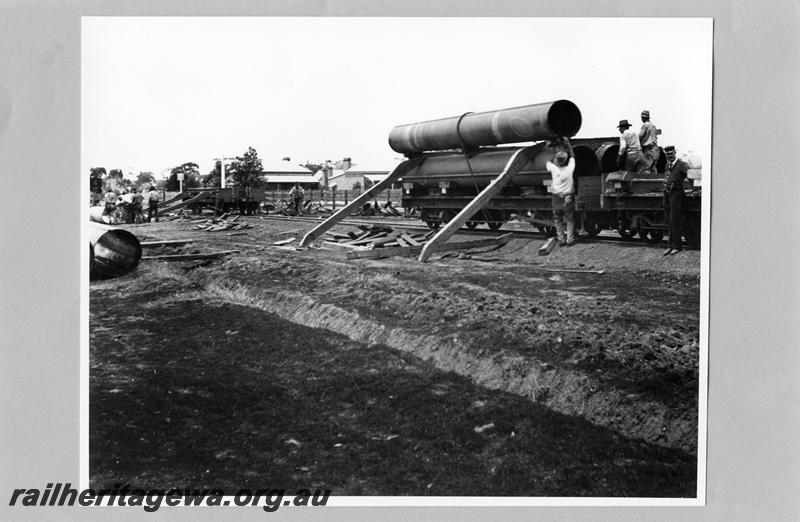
(486, 165)
(518, 124)
(112, 251)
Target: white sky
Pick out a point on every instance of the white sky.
(158, 91)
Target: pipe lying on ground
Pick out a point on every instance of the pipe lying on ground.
(113, 251)
(515, 125)
(98, 215)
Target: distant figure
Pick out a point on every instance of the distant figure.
(297, 194)
(138, 199)
(630, 150)
(125, 202)
(242, 201)
(152, 209)
(648, 138)
(563, 189)
(676, 173)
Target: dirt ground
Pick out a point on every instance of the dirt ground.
(481, 373)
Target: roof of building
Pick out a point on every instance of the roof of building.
(291, 178)
(277, 166)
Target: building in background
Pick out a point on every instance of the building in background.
(282, 175)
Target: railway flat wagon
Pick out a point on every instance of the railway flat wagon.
(446, 181)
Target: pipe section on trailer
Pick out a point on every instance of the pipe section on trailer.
(510, 169)
(476, 129)
(486, 164)
(112, 251)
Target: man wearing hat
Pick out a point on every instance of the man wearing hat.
(561, 169)
(676, 172)
(648, 137)
(630, 150)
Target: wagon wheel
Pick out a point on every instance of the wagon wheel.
(591, 228)
(652, 236)
(495, 225)
(625, 228)
(471, 224)
(447, 215)
(627, 233)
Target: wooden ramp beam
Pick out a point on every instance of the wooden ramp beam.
(400, 170)
(518, 160)
(173, 208)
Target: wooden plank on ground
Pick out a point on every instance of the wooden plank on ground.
(547, 246)
(146, 244)
(391, 238)
(332, 245)
(410, 240)
(190, 257)
(368, 239)
(284, 241)
(402, 242)
(379, 253)
(601, 271)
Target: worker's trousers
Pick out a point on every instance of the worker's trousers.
(564, 216)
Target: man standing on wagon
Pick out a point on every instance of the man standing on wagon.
(630, 150)
(648, 138)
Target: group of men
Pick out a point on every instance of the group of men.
(638, 153)
(131, 203)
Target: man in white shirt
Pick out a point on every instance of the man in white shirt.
(630, 150)
(563, 195)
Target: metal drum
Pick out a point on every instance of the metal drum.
(113, 251)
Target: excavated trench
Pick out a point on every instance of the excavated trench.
(564, 390)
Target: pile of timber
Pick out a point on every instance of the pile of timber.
(376, 242)
(373, 209)
(368, 237)
(219, 224)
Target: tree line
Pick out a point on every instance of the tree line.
(244, 171)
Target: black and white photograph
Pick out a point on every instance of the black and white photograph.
(398, 261)
(437, 260)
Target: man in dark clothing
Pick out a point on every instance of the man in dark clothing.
(676, 172)
(138, 199)
(297, 194)
(152, 209)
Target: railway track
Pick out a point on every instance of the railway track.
(405, 223)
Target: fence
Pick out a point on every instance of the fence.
(330, 198)
(337, 198)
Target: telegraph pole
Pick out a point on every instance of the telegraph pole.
(222, 161)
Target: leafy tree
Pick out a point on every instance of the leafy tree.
(145, 178)
(212, 178)
(116, 181)
(191, 176)
(96, 175)
(246, 170)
